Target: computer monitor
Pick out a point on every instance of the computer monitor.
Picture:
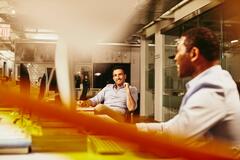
(64, 73)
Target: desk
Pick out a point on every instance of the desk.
(90, 110)
(65, 143)
(73, 155)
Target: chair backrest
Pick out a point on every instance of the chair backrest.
(129, 117)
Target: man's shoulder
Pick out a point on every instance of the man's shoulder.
(133, 88)
(222, 80)
(109, 85)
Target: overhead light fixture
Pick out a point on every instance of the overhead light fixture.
(97, 74)
(234, 41)
(13, 12)
(28, 65)
(118, 44)
(151, 45)
(41, 36)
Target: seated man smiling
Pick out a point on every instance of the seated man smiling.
(117, 99)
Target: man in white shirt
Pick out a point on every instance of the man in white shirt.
(117, 98)
(211, 106)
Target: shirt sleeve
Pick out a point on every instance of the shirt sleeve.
(150, 127)
(203, 110)
(99, 98)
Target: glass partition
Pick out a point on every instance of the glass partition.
(174, 87)
(231, 44)
(149, 76)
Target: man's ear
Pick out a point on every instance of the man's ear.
(125, 76)
(194, 54)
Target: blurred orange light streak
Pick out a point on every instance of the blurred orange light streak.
(151, 143)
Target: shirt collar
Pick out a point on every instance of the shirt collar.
(116, 87)
(215, 68)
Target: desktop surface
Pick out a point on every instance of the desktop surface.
(66, 142)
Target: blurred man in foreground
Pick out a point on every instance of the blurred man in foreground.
(117, 99)
(211, 106)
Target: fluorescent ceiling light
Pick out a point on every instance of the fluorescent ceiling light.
(234, 41)
(38, 30)
(97, 74)
(41, 36)
(13, 12)
(151, 45)
(118, 44)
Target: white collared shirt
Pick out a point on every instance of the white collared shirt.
(210, 107)
(113, 96)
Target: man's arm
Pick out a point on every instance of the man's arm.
(194, 118)
(94, 100)
(131, 101)
(85, 103)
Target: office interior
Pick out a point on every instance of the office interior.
(143, 46)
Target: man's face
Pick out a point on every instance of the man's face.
(185, 67)
(119, 77)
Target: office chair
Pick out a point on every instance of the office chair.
(129, 117)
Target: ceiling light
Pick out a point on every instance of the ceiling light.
(13, 12)
(41, 36)
(234, 41)
(97, 74)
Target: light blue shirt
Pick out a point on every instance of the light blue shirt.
(112, 96)
(210, 108)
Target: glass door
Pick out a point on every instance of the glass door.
(149, 75)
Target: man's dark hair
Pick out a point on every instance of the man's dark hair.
(119, 67)
(205, 40)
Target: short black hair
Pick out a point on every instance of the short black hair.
(119, 67)
(205, 40)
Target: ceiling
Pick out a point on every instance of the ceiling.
(82, 21)
(146, 12)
